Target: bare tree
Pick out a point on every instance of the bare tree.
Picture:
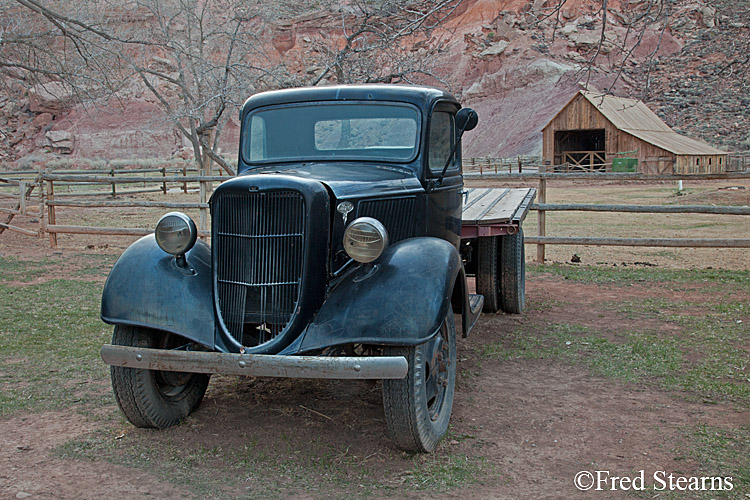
(619, 34)
(198, 59)
(381, 41)
(201, 59)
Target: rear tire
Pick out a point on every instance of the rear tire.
(488, 272)
(418, 407)
(513, 273)
(154, 398)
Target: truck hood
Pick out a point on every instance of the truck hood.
(351, 180)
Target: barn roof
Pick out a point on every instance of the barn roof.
(635, 118)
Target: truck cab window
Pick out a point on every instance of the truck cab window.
(258, 138)
(442, 138)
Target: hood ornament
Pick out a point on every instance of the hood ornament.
(344, 208)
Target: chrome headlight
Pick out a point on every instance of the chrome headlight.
(176, 233)
(365, 239)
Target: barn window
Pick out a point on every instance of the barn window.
(698, 162)
(720, 161)
(709, 162)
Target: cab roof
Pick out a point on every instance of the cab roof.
(422, 97)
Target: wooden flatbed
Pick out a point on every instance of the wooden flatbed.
(493, 248)
(495, 211)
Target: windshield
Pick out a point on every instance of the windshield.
(345, 131)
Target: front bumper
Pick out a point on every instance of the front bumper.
(257, 365)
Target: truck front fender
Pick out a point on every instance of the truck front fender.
(147, 288)
(401, 300)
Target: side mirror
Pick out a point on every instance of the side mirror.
(466, 119)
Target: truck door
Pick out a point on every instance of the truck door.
(444, 201)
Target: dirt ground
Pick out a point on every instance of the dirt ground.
(525, 425)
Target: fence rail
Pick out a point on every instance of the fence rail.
(586, 161)
(88, 178)
(542, 179)
(641, 242)
(44, 203)
(24, 189)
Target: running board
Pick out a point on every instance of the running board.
(476, 302)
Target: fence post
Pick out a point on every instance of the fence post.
(22, 199)
(164, 184)
(203, 210)
(541, 214)
(51, 213)
(42, 214)
(184, 174)
(114, 191)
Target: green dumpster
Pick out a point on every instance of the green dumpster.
(624, 164)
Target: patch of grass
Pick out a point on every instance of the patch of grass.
(50, 337)
(639, 357)
(630, 274)
(706, 359)
(446, 472)
(720, 365)
(23, 270)
(723, 452)
(654, 308)
(316, 468)
(542, 304)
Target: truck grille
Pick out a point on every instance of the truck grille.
(260, 240)
(397, 215)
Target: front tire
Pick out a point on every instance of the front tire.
(154, 398)
(418, 407)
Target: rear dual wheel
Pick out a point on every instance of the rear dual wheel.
(418, 407)
(154, 398)
(501, 272)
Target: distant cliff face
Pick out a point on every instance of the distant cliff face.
(516, 62)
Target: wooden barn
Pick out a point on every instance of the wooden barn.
(602, 132)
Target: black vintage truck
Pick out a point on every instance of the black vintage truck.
(338, 251)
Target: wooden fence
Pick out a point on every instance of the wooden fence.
(583, 161)
(21, 191)
(542, 207)
(39, 194)
(204, 186)
(85, 188)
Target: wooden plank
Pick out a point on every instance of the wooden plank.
(475, 194)
(506, 210)
(113, 231)
(128, 204)
(497, 205)
(641, 242)
(473, 212)
(130, 180)
(18, 229)
(523, 209)
(608, 176)
(653, 209)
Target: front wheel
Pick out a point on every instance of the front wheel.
(418, 407)
(154, 398)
